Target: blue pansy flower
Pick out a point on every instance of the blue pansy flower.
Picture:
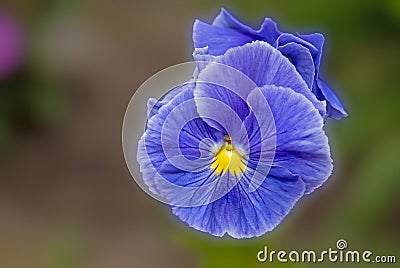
(304, 51)
(236, 147)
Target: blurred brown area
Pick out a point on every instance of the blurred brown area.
(70, 182)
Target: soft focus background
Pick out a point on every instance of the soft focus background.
(67, 72)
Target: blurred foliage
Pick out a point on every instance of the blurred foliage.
(229, 252)
(28, 102)
(32, 98)
(65, 250)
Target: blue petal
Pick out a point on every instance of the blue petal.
(220, 96)
(175, 135)
(286, 38)
(301, 59)
(314, 43)
(244, 214)
(154, 105)
(301, 144)
(216, 38)
(202, 57)
(193, 189)
(268, 31)
(317, 40)
(227, 32)
(334, 106)
(260, 126)
(260, 62)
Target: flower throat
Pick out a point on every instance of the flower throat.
(228, 159)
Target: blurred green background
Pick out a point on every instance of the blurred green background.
(66, 197)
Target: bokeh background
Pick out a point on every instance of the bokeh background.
(67, 72)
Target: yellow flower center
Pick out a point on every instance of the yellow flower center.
(228, 158)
